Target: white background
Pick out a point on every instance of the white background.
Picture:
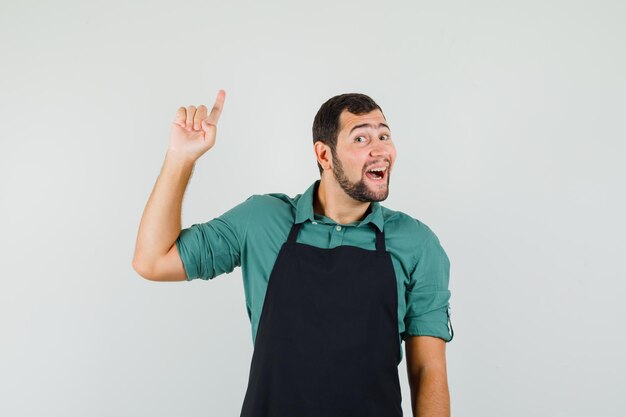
(508, 118)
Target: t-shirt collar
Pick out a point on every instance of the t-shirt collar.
(304, 209)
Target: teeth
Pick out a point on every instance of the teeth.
(380, 171)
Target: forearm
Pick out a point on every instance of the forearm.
(429, 393)
(161, 221)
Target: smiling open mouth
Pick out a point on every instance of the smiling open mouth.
(376, 174)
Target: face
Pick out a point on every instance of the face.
(364, 143)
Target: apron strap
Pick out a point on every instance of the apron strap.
(293, 234)
(380, 240)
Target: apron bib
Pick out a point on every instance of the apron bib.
(327, 344)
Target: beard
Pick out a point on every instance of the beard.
(360, 190)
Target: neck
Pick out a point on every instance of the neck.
(331, 200)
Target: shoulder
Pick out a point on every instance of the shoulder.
(270, 202)
(410, 234)
(398, 222)
(255, 209)
(269, 212)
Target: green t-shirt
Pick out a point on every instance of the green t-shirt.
(251, 234)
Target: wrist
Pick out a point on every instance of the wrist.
(179, 158)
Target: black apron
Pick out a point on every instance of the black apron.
(327, 343)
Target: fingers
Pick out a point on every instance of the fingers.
(217, 108)
(191, 118)
(199, 117)
(191, 112)
(181, 115)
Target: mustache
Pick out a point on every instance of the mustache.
(387, 161)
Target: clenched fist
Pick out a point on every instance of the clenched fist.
(193, 131)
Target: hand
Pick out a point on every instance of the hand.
(193, 132)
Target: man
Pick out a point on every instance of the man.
(334, 281)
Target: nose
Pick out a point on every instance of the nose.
(380, 150)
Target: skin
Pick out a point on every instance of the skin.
(192, 133)
(427, 375)
(344, 195)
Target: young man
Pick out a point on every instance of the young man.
(333, 280)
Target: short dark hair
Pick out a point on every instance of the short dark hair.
(326, 122)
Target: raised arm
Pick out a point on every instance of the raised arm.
(193, 133)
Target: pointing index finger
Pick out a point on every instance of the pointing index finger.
(217, 108)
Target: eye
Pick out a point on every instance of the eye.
(358, 137)
(385, 136)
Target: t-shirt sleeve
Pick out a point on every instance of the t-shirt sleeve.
(427, 295)
(213, 248)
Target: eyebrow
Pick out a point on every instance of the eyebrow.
(368, 125)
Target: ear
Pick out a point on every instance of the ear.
(323, 155)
